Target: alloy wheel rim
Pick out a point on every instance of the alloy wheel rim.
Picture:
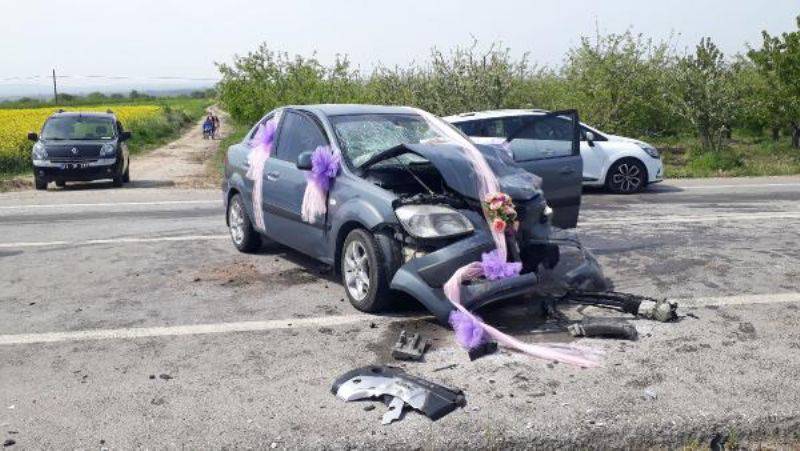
(236, 221)
(356, 270)
(627, 178)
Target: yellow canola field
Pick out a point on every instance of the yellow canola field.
(15, 124)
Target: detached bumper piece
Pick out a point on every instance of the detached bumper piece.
(398, 389)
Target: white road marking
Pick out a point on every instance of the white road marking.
(743, 299)
(761, 185)
(114, 241)
(110, 204)
(696, 218)
(302, 323)
(199, 329)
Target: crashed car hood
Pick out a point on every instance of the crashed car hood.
(459, 174)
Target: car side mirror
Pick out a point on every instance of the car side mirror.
(125, 136)
(304, 161)
(590, 139)
(33, 137)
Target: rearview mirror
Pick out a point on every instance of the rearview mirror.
(33, 137)
(125, 136)
(590, 138)
(304, 161)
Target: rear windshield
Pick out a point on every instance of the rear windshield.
(78, 128)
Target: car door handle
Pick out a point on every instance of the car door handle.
(272, 176)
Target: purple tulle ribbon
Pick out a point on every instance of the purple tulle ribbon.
(324, 167)
(469, 331)
(495, 266)
(261, 147)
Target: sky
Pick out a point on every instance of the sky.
(147, 40)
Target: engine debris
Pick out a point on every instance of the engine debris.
(641, 306)
(604, 327)
(410, 347)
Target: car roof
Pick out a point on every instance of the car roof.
(492, 114)
(83, 114)
(337, 109)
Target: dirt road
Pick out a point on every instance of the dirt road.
(184, 162)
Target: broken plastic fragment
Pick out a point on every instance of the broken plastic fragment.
(603, 327)
(433, 400)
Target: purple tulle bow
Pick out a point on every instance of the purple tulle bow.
(495, 267)
(265, 134)
(469, 332)
(324, 167)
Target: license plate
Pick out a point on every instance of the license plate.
(74, 165)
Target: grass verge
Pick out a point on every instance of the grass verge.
(745, 156)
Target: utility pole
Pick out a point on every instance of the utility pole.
(55, 90)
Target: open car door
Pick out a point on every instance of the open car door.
(548, 145)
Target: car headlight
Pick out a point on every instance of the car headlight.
(108, 150)
(432, 221)
(39, 151)
(650, 150)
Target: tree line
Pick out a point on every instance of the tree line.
(624, 83)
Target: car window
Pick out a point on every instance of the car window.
(78, 128)
(471, 128)
(298, 134)
(539, 137)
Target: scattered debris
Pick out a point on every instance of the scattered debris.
(446, 367)
(9, 442)
(369, 407)
(166, 377)
(641, 306)
(410, 347)
(152, 376)
(650, 394)
(485, 348)
(604, 327)
(386, 382)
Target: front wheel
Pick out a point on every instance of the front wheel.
(40, 184)
(243, 235)
(364, 272)
(126, 177)
(626, 177)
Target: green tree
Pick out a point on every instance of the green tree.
(616, 81)
(778, 60)
(704, 93)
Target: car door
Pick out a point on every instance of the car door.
(284, 184)
(593, 154)
(547, 145)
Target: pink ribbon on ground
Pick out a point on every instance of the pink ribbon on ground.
(259, 154)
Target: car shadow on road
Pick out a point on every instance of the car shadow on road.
(655, 189)
(83, 186)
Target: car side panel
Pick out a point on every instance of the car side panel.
(561, 182)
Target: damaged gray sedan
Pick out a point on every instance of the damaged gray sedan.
(403, 212)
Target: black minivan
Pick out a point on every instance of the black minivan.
(80, 146)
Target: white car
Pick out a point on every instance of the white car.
(622, 165)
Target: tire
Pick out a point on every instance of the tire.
(365, 272)
(244, 236)
(117, 181)
(40, 184)
(126, 177)
(626, 176)
(61, 183)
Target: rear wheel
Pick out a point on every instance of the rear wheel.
(40, 184)
(364, 272)
(626, 177)
(243, 235)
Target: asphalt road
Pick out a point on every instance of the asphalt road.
(127, 319)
